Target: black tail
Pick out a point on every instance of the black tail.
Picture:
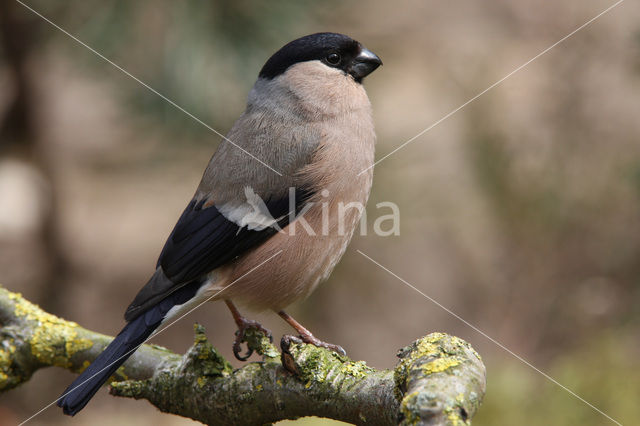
(78, 394)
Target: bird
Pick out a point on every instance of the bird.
(268, 221)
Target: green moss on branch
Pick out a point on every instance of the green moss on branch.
(32, 339)
(440, 379)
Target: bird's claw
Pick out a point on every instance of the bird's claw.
(312, 340)
(241, 334)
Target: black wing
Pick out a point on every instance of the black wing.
(202, 240)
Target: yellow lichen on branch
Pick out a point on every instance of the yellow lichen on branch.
(439, 380)
(427, 380)
(32, 338)
(54, 340)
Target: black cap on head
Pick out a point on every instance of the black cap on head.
(332, 49)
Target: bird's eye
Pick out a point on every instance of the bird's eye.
(333, 58)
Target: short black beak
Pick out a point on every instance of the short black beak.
(364, 64)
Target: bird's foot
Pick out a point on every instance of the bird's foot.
(244, 325)
(307, 337)
(312, 340)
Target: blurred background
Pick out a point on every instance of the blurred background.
(521, 213)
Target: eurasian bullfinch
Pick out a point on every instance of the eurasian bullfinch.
(267, 222)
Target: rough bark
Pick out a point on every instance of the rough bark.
(439, 380)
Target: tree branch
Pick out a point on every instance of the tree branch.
(439, 380)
